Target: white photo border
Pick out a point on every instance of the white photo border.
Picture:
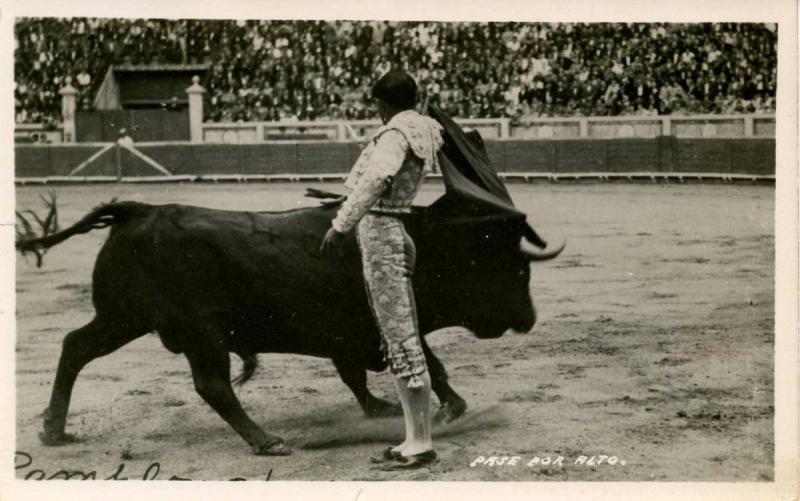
(783, 12)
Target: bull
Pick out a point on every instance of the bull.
(214, 282)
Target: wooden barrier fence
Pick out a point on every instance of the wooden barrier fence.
(558, 158)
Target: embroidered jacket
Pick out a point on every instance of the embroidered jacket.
(390, 169)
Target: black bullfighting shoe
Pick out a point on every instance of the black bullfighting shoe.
(420, 460)
(387, 454)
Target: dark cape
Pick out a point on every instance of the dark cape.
(471, 182)
(468, 174)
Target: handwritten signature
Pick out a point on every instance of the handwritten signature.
(23, 460)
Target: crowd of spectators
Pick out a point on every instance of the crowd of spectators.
(317, 70)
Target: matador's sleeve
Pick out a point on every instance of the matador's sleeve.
(386, 160)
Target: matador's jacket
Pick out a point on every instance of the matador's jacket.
(383, 182)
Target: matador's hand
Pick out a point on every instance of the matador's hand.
(333, 244)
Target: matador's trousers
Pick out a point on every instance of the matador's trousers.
(388, 256)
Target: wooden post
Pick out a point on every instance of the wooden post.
(583, 127)
(68, 105)
(195, 93)
(666, 126)
(118, 160)
(748, 126)
(504, 128)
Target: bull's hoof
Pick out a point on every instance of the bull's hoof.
(273, 448)
(379, 408)
(448, 413)
(53, 439)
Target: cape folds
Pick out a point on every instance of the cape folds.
(468, 173)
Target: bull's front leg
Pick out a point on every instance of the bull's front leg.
(451, 404)
(211, 374)
(355, 377)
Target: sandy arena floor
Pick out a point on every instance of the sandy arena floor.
(654, 345)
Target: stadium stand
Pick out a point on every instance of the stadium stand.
(321, 70)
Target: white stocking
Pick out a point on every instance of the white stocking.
(417, 412)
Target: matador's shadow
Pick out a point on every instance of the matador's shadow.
(391, 429)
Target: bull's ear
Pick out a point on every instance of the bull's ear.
(533, 237)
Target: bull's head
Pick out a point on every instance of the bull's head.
(475, 273)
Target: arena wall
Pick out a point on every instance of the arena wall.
(665, 154)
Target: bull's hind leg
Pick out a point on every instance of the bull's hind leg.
(81, 346)
(452, 405)
(211, 373)
(355, 377)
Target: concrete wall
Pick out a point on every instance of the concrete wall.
(660, 154)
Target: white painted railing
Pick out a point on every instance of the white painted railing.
(352, 130)
(37, 133)
(700, 126)
(754, 125)
(255, 132)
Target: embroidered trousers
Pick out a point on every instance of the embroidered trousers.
(388, 256)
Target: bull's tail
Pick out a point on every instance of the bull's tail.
(100, 217)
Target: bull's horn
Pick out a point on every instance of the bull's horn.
(540, 255)
(531, 236)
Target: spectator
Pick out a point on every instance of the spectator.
(292, 69)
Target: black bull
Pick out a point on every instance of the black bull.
(214, 282)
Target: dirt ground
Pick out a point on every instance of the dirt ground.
(654, 345)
